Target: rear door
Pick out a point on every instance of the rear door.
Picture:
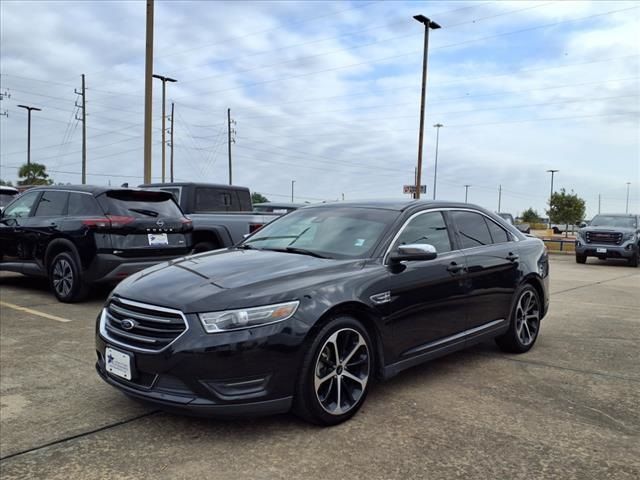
(145, 223)
(493, 266)
(46, 222)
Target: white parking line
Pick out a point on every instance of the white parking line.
(34, 312)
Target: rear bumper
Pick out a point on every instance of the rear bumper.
(109, 268)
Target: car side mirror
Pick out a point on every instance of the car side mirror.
(414, 252)
(582, 224)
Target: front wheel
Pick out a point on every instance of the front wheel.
(633, 261)
(335, 374)
(524, 323)
(581, 258)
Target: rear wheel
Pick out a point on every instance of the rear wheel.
(524, 323)
(581, 258)
(65, 278)
(335, 374)
(204, 247)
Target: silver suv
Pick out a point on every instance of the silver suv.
(610, 236)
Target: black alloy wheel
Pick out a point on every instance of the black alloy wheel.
(336, 373)
(524, 322)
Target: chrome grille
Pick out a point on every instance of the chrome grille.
(149, 327)
(611, 238)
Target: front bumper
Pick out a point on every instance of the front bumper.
(626, 250)
(109, 268)
(246, 372)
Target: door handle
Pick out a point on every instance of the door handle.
(512, 257)
(455, 268)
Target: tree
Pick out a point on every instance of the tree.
(34, 174)
(566, 208)
(6, 182)
(530, 216)
(258, 198)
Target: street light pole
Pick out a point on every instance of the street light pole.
(435, 167)
(552, 172)
(428, 24)
(292, 182)
(627, 209)
(164, 117)
(466, 193)
(29, 109)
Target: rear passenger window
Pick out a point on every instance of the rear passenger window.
(52, 204)
(427, 228)
(472, 228)
(498, 234)
(83, 205)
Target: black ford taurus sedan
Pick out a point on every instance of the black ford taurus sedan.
(307, 311)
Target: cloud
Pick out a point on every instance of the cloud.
(328, 94)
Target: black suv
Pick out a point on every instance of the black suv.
(80, 235)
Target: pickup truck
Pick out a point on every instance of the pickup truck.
(222, 215)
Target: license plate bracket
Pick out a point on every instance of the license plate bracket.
(601, 250)
(157, 239)
(119, 363)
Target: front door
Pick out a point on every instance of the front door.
(12, 231)
(426, 296)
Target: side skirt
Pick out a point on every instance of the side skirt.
(444, 346)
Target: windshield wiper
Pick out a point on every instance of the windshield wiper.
(304, 251)
(149, 213)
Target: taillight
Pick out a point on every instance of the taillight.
(253, 227)
(109, 221)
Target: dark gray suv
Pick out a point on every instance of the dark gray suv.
(610, 236)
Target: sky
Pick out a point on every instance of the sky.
(328, 94)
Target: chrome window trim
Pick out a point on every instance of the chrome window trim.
(109, 340)
(445, 209)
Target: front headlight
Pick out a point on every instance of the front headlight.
(630, 236)
(214, 322)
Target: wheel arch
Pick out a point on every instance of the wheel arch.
(537, 283)
(208, 235)
(363, 314)
(57, 246)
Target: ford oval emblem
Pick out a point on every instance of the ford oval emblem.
(127, 324)
(160, 223)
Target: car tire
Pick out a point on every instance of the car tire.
(633, 261)
(581, 258)
(329, 392)
(65, 278)
(203, 247)
(524, 323)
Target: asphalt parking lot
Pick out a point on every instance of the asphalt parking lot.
(570, 408)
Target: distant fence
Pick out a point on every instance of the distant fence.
(564, 245)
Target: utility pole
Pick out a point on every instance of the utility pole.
(552, 172)
(428, 24)
(292, 183)
(148, 92)
(599, 204)
(230, 139)
(627, 209)
(29, 109)
(2, 96)
(435, 168)
(499, 197)
(164, 81)
(171, 141)
(83, 119)
(466, 193)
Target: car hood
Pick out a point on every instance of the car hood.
(230, 279)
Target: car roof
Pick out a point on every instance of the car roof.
(398, 205)
(9, 188)
(192, 184)
(94, 190)
(622, 215)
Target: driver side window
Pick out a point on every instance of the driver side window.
(428, 228)
(22, 206)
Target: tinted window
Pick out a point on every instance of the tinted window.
(332, 232)
(52, 204)
(472, 228)
(22, 206)
(222, 200)
(426, 228)
(83, 205)
(142, 204)
(6, 197)
(498, 234)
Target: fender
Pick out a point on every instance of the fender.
(59, 245)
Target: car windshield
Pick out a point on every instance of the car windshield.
(614, 221)
(5, 198)
(339, 232)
